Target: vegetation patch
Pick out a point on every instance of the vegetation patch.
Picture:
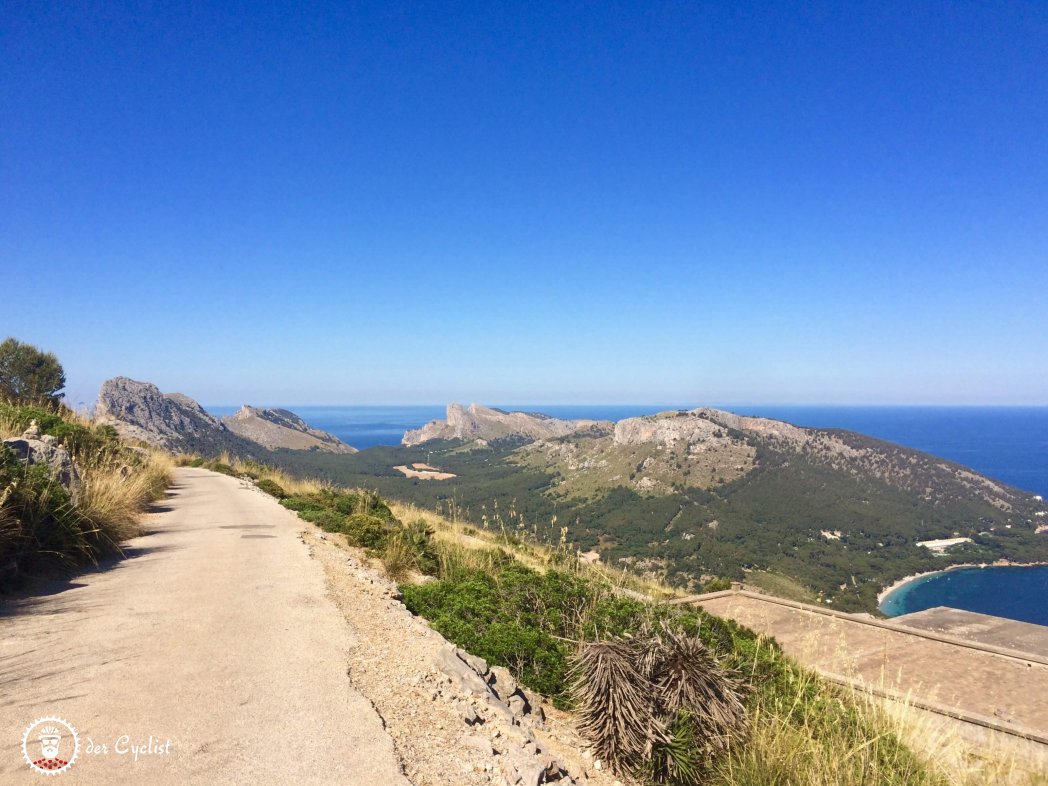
(272, 488)
(362, 516)
(50, 519)
(688, 528)
(535, 622)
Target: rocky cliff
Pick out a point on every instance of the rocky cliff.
(175, 422)
(477, 422)
(280, 428)
(171, 421)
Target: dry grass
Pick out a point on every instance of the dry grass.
(44, 524)
(9, 427)
(966, 754)
(471, 547)
(398, 558)
(811, 741)
(113, 495)
(290, 484)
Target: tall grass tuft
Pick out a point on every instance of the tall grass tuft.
(113, 495)
(43, 524)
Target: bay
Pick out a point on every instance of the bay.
(1018, 593)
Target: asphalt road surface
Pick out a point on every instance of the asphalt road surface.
(212, 651)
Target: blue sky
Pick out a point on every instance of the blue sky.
(593, 202)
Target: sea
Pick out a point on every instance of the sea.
(1009, 444)
(1014, 592)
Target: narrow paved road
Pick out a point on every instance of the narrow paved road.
(215, 633)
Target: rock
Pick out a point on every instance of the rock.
(33, 448)
(459, 672)
(502, 682)
(554, 770)
(500, 708)
(700, 426)
(171, 421)
(281, 428)
(480, 423)
(177, 423)
(479, 744)
(471, 718)
(518, 705)
(520, 768)
(476, 663)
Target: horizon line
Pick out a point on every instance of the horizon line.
(665, 406)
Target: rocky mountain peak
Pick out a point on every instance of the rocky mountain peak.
(177, 423)
(477, 422)
(701, 425)
(282, 428)
(172, 421)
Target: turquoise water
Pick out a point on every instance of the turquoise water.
(1012, 592)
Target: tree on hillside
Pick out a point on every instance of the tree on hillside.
(28, 375)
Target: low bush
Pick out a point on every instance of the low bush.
(272, 488)
(717, 585)
(410, 548)
(362, 516)
(78, 436)
(370, 532)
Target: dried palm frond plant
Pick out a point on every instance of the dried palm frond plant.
(658, 703)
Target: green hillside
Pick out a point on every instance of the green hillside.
(839, 516)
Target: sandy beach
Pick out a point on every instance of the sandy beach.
(1003, 563)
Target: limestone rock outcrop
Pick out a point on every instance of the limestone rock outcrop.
(281, 428)
(170, 421)
(477, 422)
(33, 447)
(700, 425)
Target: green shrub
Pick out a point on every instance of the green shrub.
(367, 531)
(327, 520)
(272, 488)
(532, 623)
(301, 502)
(410, 548)
(717, 585)
(364, 518)
(78, 438)
(514, 617)
(218, 466)
(519, 618)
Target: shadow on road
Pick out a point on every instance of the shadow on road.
(24, 600)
